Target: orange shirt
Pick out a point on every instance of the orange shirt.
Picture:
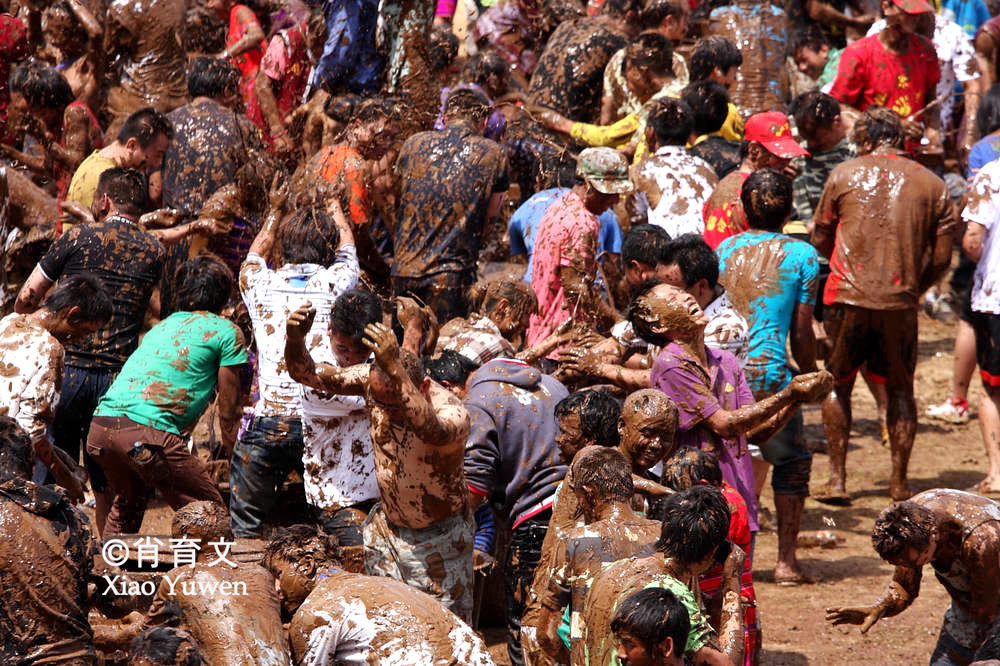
(342, 164)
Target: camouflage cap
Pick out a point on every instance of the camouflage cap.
(605, 169)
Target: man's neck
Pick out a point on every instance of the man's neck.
(613, 511)
(42, 317)
(115, 152)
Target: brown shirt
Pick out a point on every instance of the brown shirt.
(156, 66)
(886, 212)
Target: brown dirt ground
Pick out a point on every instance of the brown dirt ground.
(795, 632)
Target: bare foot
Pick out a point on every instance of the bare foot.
(987, 486)
(900, 491)
(832, 493)
(790, 574)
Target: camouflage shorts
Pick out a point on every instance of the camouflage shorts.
(435, 559)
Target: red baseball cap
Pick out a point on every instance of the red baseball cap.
(914, 6)
(773, 131)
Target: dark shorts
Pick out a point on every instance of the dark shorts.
(987, 329)
(885, 341)
(792, 462)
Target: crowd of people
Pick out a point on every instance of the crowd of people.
(392, 299)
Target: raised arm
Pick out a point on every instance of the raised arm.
(302, 368)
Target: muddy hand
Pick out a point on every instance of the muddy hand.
(585, 361)
(160, 218)
(301, 321)
(812, 387)
(482, 562)
(278, 195)
(866, 616)
(382, 341)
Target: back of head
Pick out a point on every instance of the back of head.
(644, 243)
(84, 291)
(814, 110)
(145, 125)
(695, 522)
(353, 311)
(606, 471)
(308, 236)
(203, 283)
(695, 259)
(165, 646)
(16, 454)
(442, 49)
(657, 11)
(651, 53)
(651, 616)
(709, 105)
(449, 367)
(46, 88)
(468, 104)
(672, 121)
(294, 543)
(202, 521)
(988, 115)
(598, 411)
(372, 109)
(688, 467)
(767, 199)
(214, 78)
(127, 188)
(902, 526)
(711, 52)
(621, 8)
(877, 127)
(518, 293)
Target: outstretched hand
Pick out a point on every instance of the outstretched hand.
(812, 387)
(866, 616)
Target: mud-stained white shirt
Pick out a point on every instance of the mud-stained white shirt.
(672, 187)
(31, 366)
(984, 208)
(271, 296)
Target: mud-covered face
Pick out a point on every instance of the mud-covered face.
(293, 582)
(811, 63)
(647, 436)
(63, 31)
(677, 313)
(570, 439)
(347, 351)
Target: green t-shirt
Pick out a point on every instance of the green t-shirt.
(167, 382)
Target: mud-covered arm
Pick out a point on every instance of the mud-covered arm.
(972, 240)
(943, 241)
(981, 554)
(731, 618)
(804, 388)
(302, 368)
(32, 291)
(903, 589)
(76, 137)
(253, 36)
(229, 405)
(985, 58)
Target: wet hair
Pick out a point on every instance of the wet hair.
(203, 521)
(203, 283)
(876, 127)
(309, 236)
(297, 541)
(651, 616)
(19, 75)
(767, 199)
(164, 646)
(606, 470)
(644, 243)
(127, 188)
(372, 109)
(483, 67)
(988, 115)
(518, 293)
(903, 525)
(711, 52)
(212, 77)
(810, 37)
(695, 259)
(442, 49)
(651, 52)
(695, 523)
(620, 8)
(657, 11)
(639, 316)
(75, 27)
(46, 88)
(449, 366)
(467, 103)
(145, 125)
(599, 412)
(814, 110)
(342, 107)
(688, 466)
(353, 311)
(17, 457)
(709, 104)
(85, 291)
(672, 121)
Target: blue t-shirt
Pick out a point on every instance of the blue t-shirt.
(982, 153)
(781, 277)
(968, 14)
(524, 225)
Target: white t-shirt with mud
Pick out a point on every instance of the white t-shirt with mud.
(31, 365)
(984, 209)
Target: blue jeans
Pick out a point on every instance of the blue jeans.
(268, 452)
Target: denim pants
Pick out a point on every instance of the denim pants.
(269, 450)
(519, 572)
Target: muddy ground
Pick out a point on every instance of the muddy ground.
(792, 617)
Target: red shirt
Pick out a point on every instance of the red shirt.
(724, 216)
(13, 48)
(869, 75)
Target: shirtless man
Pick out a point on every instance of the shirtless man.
(958, 534)
(421, 532)
(231, 628)
(343, 618)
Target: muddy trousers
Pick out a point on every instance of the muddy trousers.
(523, 555)
(264, 456)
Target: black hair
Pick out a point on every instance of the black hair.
(672, 121)
(695, 259)
(606, 470)
(598, 411)
(657, 11)
(767, 199)
(342, 107)
(161, 645)
(814, 110)
(695, 523)
(711, 52)
(687, 466)
(85, 291)
(651, 616)
(127, 188)
(442, 49)
(353, 311)
(203, 283)
(467, 103)
(709, 104)
(988, 115)
(644, 243)
(651, 52)
(17, 457)
(902, 526)
(373, 109)
(449, 366)
(145, 125)
(810, 37)
(640, 318)
(20, 74)
(45, 87)
(212, 77)
(309, 236)
(878, 126)
(619, 8)
(484, 67)
(293, 542)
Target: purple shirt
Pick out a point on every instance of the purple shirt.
(699, 395)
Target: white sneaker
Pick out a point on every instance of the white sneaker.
(951, 411)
